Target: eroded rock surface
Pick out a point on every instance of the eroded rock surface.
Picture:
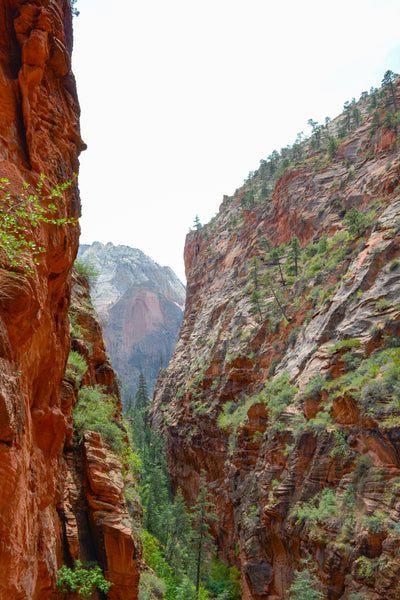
(290, 415)
(39, 134)
(96, 523)
(140, 305)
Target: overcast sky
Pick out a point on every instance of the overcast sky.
(181, 99)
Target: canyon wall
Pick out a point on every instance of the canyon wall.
(97, 498)
(39, 134)
(284, 383)
(41, 526)
(140, 305)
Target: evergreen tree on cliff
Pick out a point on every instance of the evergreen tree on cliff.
(388, 81)
(202, 538)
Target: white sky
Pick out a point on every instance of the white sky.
(182, 98)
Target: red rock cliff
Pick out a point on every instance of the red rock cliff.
(294, 418)
(93, 483)
(39, 134)
(59, 500)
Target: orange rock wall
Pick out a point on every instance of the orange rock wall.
(39, 133)
(96, 523)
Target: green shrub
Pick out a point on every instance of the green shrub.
(375, 523)
(75, 330)
(76, 366)
(364, 568)
(344, 344)
(133, 460)
(87, 269)
(322, 508)
(82, 580)
(352, 360)
(293, 336)
(20, 216)
(151, 586)
(223, 581)
(320, 422)
(382, 305)
(314, 387)
(341, 447)
(95, 411)
(154, 557)
(276, 395)
(233, 415)
(356, 221)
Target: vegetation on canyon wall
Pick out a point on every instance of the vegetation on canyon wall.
(273, 416)
(285, 383)
(21, 215)
(178, 546)
(103, 468)
(82, 580)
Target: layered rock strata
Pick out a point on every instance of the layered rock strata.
(284, 383)
(140, 305)
(39, 134)
(96, 523)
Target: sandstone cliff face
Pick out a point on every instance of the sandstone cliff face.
(93, 511)
(140, 305)
(39, 133)
(295, 420)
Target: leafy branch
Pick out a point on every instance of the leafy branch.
(20, 215)
(82, 580)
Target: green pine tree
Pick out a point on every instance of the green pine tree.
(304, 584)
(274, 258)
(202, 540)
(388, 82)
(294, 254)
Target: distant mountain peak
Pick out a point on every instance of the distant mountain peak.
(140, 305)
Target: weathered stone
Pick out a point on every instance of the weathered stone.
(140, 305)
(39, 133)
(259, 471)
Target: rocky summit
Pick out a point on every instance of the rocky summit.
(140, 305)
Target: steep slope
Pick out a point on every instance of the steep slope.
(284, 386)
(140, 305)
(39, 134)
(95, 486)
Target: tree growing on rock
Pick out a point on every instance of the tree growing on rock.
(275, 257)
(202, 540)
(197, 224)
(388, 82)
(303, 586)
(294, 254)
(356, 221)
(333, 145)
(356, 116)
(268, 282)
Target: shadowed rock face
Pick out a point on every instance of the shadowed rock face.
(96, 523)
(140, 305)
(57, 502)
(341, 438)
(39, 133)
